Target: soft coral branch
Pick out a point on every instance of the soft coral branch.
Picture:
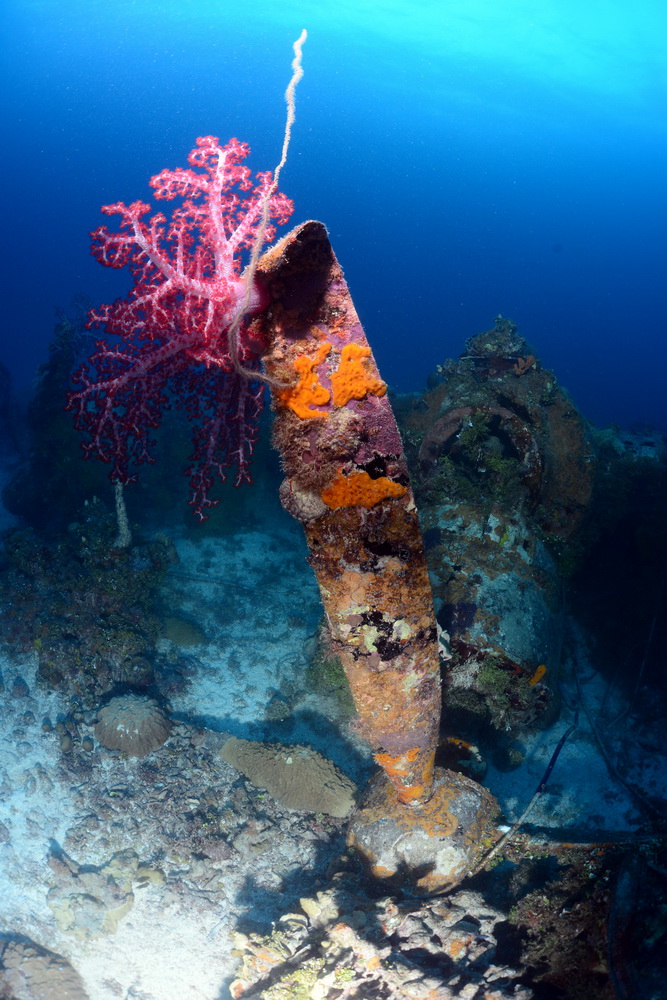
(170, 338)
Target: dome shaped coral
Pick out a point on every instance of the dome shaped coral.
(132, 723)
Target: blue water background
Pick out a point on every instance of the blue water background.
(469, 158)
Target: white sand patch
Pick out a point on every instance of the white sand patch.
(256, 600)
(34, 807)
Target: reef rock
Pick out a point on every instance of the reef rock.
(88, 902)
(30, 972)
(344, 944)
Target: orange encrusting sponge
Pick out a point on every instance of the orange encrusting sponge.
(359, 490)
(308, 391)
(352, 381)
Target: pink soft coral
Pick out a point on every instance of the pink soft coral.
(170, 342)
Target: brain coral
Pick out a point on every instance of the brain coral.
(132, 723)
(297, 776)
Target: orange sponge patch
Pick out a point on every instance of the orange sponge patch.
(359, 490)
(538, 675)
(399, 764)
(352, 381)
(308, 391)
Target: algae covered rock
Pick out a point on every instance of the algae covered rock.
(297, 776)
(89, 902)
